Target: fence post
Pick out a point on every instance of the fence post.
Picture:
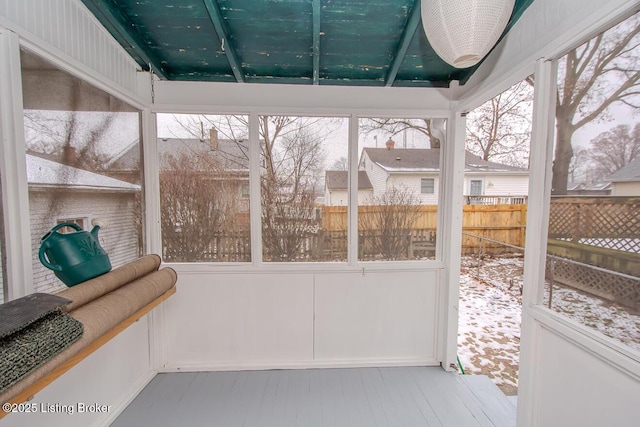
(319, 245)
(479, 255)
(551, 274)
(523, 222)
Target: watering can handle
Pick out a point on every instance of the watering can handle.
(44, 246)
(66, 224)
(45, 261)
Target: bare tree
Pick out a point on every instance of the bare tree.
(614, 149)
(600, 73)
(341, 164)
(579, 167)
(289, 189)
(292, 160)
(394, 127)
(386, 225)
(500, 129)
(195, 204)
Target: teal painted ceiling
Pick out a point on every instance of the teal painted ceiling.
(334, 42)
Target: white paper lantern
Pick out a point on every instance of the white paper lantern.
(462, 32)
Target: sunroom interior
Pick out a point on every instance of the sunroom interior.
(73, 69)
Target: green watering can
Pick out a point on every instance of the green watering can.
(74, 257)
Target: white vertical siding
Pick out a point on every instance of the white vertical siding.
(119, 239)
(66, 29)
(377, 175)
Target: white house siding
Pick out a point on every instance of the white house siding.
(119, 239)
(413, 184)
(377, 175)
(499, 185)
(340, 197)
(625, 189)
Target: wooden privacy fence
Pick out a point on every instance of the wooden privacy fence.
(503, 223)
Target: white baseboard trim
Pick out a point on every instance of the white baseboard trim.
(319, 364)
(126, 398)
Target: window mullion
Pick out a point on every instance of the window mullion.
(255, 207)
(352, 210)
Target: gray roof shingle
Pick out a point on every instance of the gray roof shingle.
(428, 159)
(630, 172)
(339, 180)
(231, 154)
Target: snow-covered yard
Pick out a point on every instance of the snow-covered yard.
(490, 308)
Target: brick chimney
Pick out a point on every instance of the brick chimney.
(390, 144)
(213, 139)
(69, 155)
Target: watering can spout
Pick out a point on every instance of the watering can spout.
(94, 231)
(97, 225)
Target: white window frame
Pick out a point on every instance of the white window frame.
(254, 180)
(432, 186)
(82, 221)
(474, 180)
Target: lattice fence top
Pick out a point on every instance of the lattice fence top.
(609, 286)
(607, 222)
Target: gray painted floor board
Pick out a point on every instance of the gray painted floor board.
(367, 397)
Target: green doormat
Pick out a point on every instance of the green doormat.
(33, 330)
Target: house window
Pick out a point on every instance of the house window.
(427, 185)
(83, 160)
(475, 187)
(81, 222)
(244, 191)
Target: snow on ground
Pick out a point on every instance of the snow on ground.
(610, 319)
(489, 330)
(489, 322)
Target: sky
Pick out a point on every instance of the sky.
(617, 114)
(335, 133)
(45, 129)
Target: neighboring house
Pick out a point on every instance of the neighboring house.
(593, 189)
(418, 169)
(336, 184)
(626, 181)
(221, 159)
(61, 193)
